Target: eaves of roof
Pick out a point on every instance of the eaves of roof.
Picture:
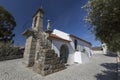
(58, 38)
(71, 35)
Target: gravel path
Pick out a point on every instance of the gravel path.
(99, 67)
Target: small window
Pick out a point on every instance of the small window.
(35, 21)
(75, 43)
(83, 50)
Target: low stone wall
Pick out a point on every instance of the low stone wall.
(118, 66)
(11, 57)
(97, 52)
(48, 63)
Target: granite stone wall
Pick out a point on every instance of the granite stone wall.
(48, 63)
(38, 52)
(29, 53)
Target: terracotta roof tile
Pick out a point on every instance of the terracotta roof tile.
(57, 37)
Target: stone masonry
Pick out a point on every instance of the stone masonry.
(48, 63)
(38, 53)
(29, 53)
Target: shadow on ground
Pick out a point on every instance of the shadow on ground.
(111, 54)
(110, 72)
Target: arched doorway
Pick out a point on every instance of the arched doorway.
(64, 51)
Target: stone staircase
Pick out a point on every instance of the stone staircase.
(48, 63)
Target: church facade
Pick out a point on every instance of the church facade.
(70, 48)
(48, 51)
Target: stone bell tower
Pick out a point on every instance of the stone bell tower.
(31, 41)
(38, 52)
(38, 20)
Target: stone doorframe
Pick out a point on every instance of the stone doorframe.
(64, 53)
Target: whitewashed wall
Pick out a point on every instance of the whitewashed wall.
(78, 57)
(105, 49)
(82, 45)
(56, 45)
(73, 55)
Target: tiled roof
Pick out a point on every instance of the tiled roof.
(58, 38)
(71, 35)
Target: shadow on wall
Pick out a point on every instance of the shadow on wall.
(110, 72)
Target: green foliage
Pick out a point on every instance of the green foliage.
(7, 25)
(104, 16)
(8, 50)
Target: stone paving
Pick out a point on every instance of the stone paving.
(99, 67)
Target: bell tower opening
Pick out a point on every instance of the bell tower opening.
(35, 21)
(38, 20)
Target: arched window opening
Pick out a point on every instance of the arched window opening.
(35, 21)
(64, 52)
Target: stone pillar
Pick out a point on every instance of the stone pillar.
(30, 47)
(29, 53)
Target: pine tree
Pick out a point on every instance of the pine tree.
(7, 25)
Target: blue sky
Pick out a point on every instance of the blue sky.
(65, 15)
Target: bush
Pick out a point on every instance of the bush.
(7, 50)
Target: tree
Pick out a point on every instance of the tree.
(7, 25)
(104, 16)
